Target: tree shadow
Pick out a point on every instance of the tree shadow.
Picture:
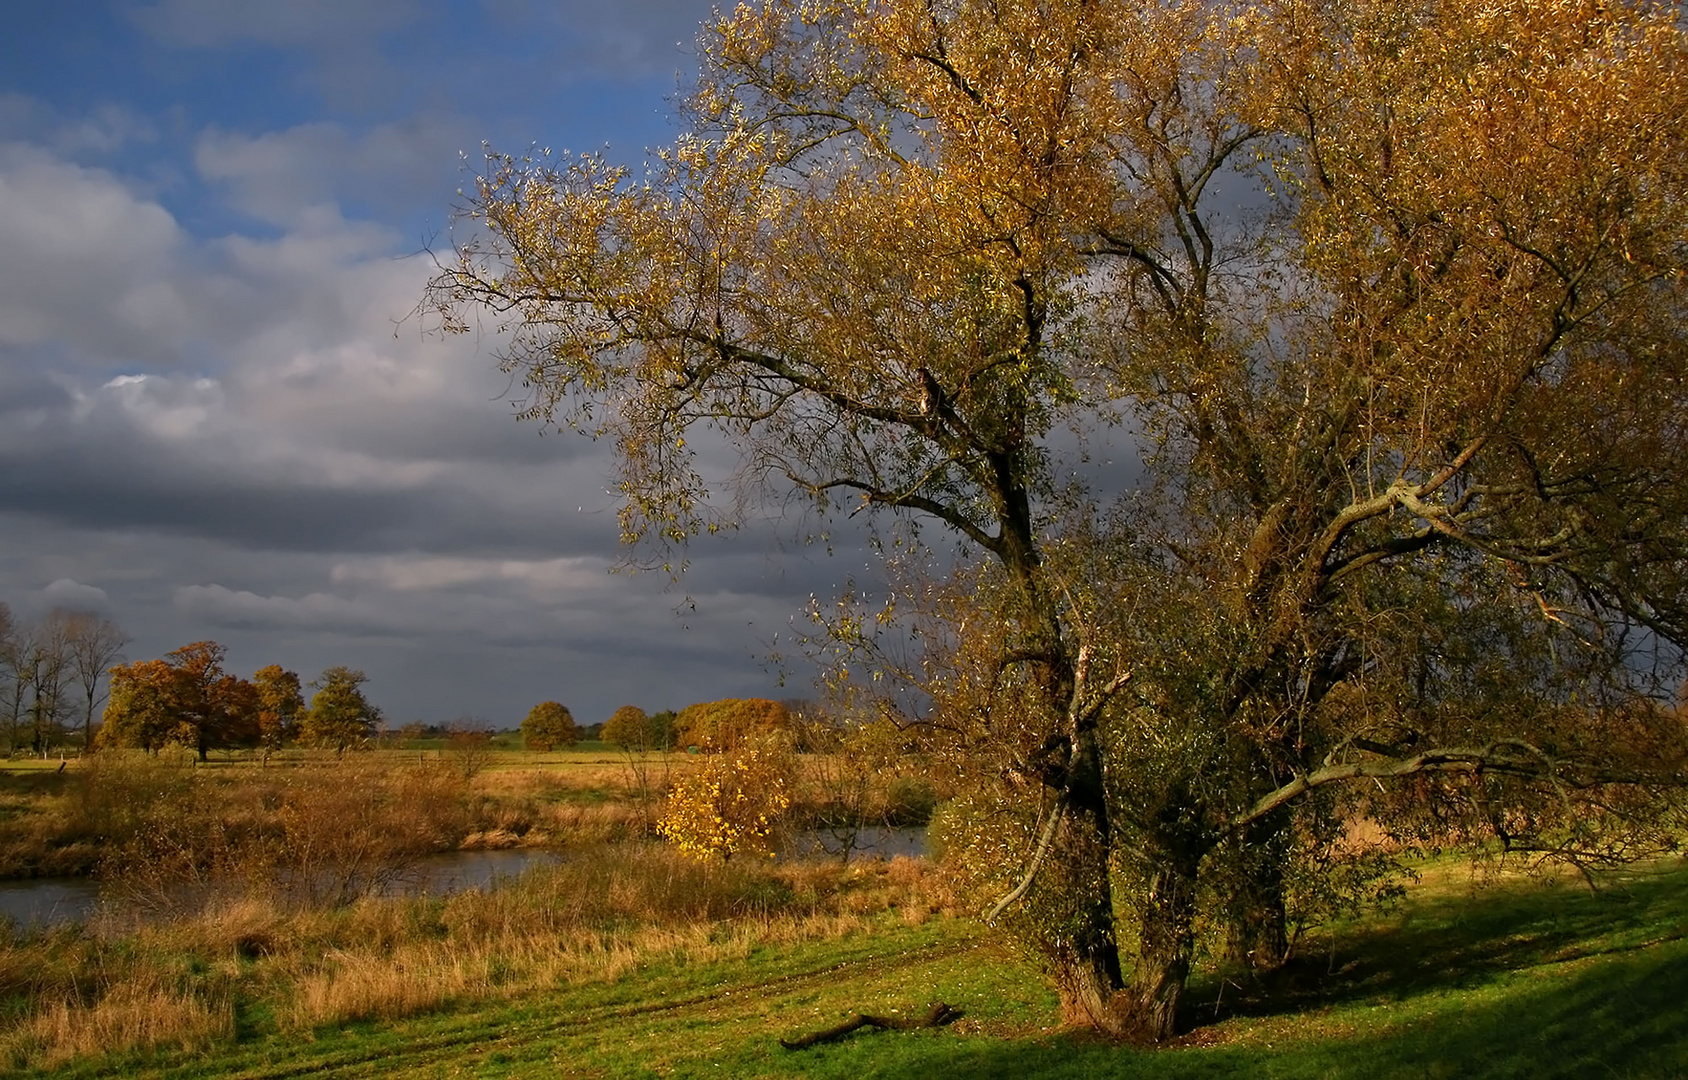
(1550, 981)
(1457, 942)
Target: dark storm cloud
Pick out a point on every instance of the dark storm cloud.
(217, 421)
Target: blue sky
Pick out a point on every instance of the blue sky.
(216, 420)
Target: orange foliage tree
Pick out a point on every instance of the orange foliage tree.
(1383, 306)
(186, 698)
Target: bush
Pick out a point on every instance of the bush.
(732, 804)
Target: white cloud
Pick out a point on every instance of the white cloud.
(74, 596)
(284, 176)
(408, 573)
(221, 606)
(103, 131)
(88, 261)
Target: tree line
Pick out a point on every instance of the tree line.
(51, 671)
(188, 698)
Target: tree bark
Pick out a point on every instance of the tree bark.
(1257, 935)
(1084, 956)
(1165, 949)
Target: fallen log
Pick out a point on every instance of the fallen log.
(935, 1016)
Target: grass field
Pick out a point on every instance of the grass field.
(1514, 978)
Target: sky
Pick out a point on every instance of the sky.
(217, 419)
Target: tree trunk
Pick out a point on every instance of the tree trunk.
(1165, 949)
(1257, 936)
(1085, 961)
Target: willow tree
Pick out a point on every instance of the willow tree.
(1388, 298)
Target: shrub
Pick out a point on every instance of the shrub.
(732, 804)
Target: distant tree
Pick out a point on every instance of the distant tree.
(720, 726)
(629, 728)
(12, 688)
(95, 644)
(470, 742)
(186, 697)
(214, 708)
(339, 716)
(49, 675)
(140, 710)
(548, 726)
(665, 729)
(281, 705)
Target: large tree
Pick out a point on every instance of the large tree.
(1384, 303)
(549, 725)
(186, 698)
(340, 715)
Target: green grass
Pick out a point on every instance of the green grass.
(1519, 979)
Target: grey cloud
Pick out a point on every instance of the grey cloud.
(214, 23)
(74, 596)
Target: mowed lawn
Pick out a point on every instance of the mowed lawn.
(1516, 977)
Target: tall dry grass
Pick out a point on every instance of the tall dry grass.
(597, 915)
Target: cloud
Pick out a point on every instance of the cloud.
(100, 132)
(411, 573)
(220, 606)
(281, 176)
(237, 435)
(91, 265)
(74, 596)
(218, 23)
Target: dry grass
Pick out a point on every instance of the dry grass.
(132, 1016)
(597, 915)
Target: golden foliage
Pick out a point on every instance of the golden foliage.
(732, 804)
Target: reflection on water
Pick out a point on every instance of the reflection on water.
(44, 902)
(48, 901)
(870, 841)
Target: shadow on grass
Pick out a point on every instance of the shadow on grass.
(1462, 941)
(1546, 981)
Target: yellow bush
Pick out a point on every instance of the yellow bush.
(731, 804)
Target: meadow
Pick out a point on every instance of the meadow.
(624, 959)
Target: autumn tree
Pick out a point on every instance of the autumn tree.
(1384, 308)
(140, 707)
(732, 804)
(281, 705)
(186, 698)
(340, 716)
(549, 725)
(724, 725)
(629, 728)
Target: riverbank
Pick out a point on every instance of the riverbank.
(1512, 978)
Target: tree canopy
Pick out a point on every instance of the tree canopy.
(186, 698)
(340, 717)
(629, 728)
(547, 726)
(1381, 310)
(723, 725)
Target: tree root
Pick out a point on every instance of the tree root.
(936, 1016)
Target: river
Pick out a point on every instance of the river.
(36, 903)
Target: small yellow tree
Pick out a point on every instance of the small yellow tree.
(731, 804)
